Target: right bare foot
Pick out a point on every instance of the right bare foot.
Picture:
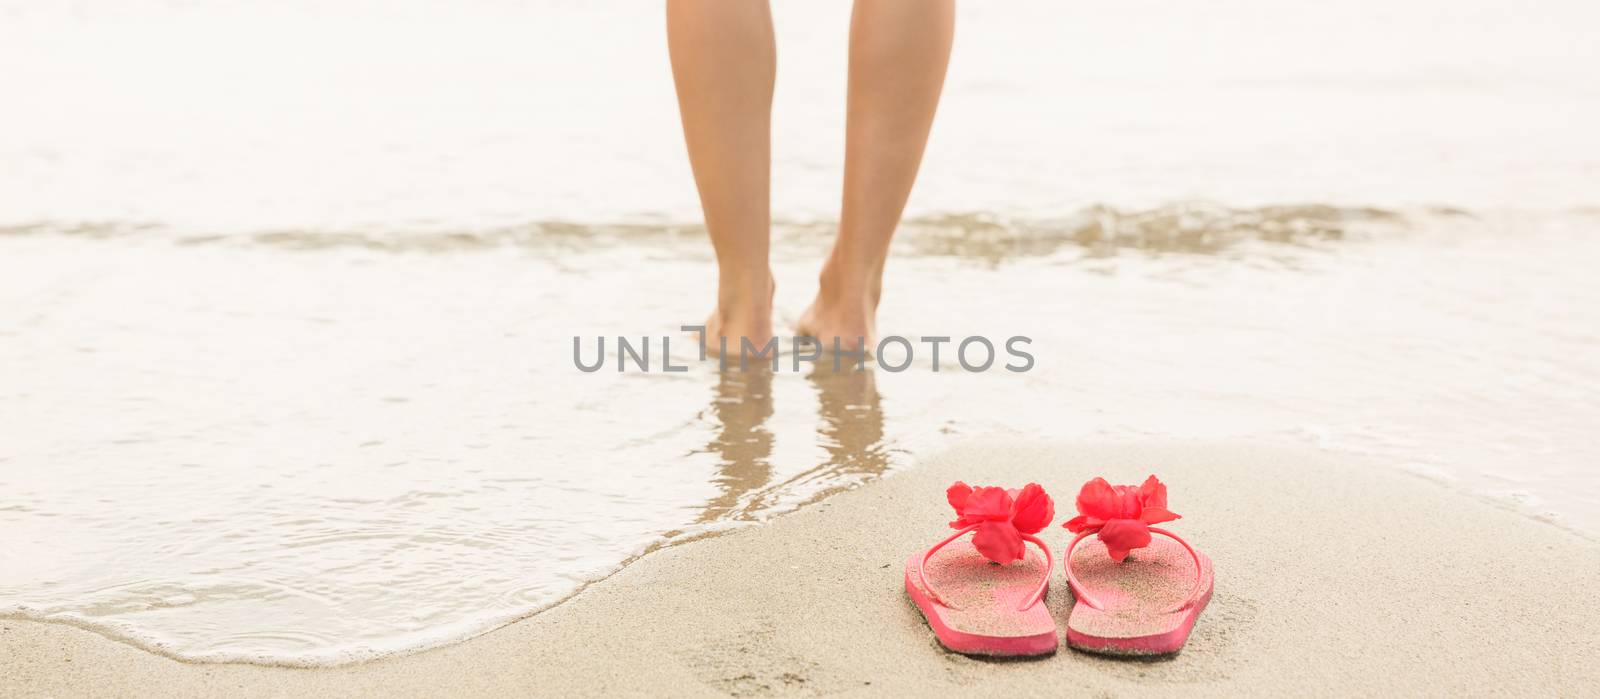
(743, 312)
(841, 313)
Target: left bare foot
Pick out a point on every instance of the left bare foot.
(743, 312)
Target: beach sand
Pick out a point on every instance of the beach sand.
(1334, 576)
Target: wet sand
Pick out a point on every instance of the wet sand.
(1333, 577)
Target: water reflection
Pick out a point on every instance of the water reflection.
(741, 403)
(849, 431)
(850, 425)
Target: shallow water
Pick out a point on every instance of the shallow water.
(286, 335)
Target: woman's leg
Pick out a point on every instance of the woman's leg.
(898, 53)
(723, 62)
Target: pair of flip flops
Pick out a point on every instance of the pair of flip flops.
(984, 595)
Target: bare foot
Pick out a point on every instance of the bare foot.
(743, 312)
(838, 314)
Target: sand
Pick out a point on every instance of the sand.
(1333, 577)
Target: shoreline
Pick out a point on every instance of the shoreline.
(810, 602)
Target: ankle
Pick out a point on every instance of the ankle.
(849, 288)
(745, 295)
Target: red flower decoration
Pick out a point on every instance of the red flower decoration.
(1122, 514)
(1002, 517)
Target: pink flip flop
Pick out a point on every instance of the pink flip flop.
(983, 597)
(1131, 605)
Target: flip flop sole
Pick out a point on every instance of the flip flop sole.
(984, 620)
(1136, 596)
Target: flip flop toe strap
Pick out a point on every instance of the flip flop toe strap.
(1027, 602)
(1084, 596)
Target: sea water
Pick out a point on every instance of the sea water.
(288, 292)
